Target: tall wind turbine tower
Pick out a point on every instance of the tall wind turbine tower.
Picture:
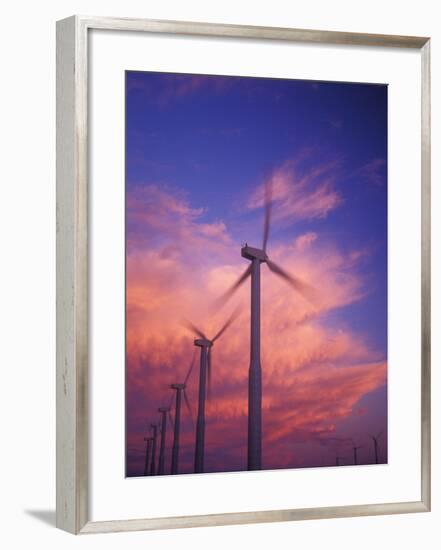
(163, 411)
(177, 426)
(154, 428)
(206, 346)
(258, 256)
(180, 390)
(148, 450)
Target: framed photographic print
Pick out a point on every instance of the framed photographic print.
(243, 274)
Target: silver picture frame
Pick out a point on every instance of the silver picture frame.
(72, 488)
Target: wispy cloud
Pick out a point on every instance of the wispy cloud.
(175, 86)
(160, 214)
(304, 241)
(301, 194)
(373, 172)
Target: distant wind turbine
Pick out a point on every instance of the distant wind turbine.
(180, 389)
(355, 451)
(375, 439)
(338, 459)
(148, 450)
(154, 428)
(206, 346)
(164, 411)
(258, 256)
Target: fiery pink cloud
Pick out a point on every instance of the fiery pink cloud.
(314, 373)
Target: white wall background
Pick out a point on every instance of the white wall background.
(27, 289)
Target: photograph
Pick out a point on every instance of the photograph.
(256, 273)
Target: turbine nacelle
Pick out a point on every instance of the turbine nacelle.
(164, 409)
(251, 253)
(203, 342)
(177, 386)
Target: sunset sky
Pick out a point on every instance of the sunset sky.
(198, 149)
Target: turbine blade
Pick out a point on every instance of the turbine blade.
(227, 295)
(230, 320)
(307, 291)
(193, 328)
(268, 205)
(191, 367)
(187, 402)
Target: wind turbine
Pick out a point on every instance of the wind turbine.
(258, 256)
(163, 412)
(375, 439)
(355, 450)
(180, 389)
(148, 450)
(154, 428)
(206, 346)
(337, 460)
